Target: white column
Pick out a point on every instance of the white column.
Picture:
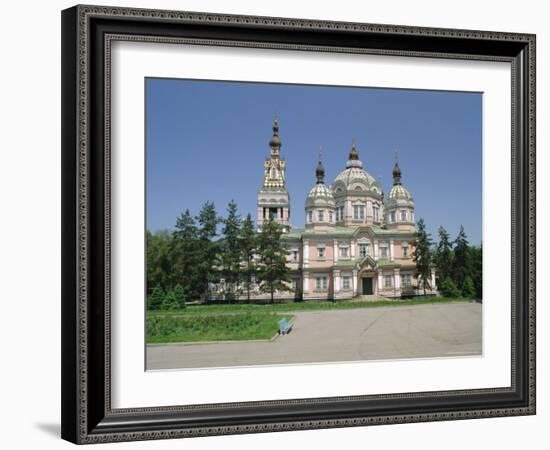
(305, 287)
(352, 248)
(355, 281)
(336, 275)
(376, 249)
(336, 249)
(380, 281)
(433, 280)
(306, 253)
(397, 279)
(391, 250)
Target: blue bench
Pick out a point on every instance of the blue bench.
(284, 326)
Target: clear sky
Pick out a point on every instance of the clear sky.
(207, 140)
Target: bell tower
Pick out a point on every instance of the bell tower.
(273, 198)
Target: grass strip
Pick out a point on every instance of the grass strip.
(212, 327)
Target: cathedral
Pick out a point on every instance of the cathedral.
(356, 241)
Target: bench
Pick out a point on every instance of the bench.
(284, 326)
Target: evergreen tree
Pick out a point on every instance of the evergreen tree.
(180, 295)
(444, 255)
(422, 254)
(461, 260)
(468, 290)
(272, 269)
(230, 257)
(208, 247)
(170, 303)
(155, 299)
(186, 255)
(476, 261)
(248, 244)
(449, 289)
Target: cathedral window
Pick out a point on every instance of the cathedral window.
(364, 250)
(383, 252)
(361, 212)
(343, 252)
(346, 282)
(273, 173)
(403, 215)
(330, 217)
(375, 213)
(406, 280)
(320, 283)
(358, 212)
(320, 252)
(388, 281)
(392, 216)
(321, 215)
(405, 249)
(310, 216)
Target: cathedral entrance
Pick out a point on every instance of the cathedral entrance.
(367, 286)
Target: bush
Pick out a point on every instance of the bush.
(154, 301)
(468, 289)
(448, 289)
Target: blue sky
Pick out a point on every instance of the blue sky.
(207, 141)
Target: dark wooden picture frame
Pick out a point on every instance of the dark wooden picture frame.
(87, 415)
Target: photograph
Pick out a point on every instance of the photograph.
(298, 224)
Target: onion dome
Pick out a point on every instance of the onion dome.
(320, 194)
(354, 177)
(353, 160)
(275, 141)
(398, 195)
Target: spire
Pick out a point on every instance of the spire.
(353, 159)
(320, 171)
(275, 141)
(396, 171)
(353, 154)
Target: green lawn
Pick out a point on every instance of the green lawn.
(194, 327)
(297, 306)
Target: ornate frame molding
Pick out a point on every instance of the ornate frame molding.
(88, 31)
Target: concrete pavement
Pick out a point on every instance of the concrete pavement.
(394, 332)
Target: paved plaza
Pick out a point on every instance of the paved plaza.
(393, 332)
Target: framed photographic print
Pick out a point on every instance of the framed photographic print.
(278, 224)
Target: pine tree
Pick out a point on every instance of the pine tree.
(186, 255)
(230, 257)
(273, 272)
(422, 254)
(476, 260)
(180, 295)
(208, 248)
(155, 299)
(461, 260)
(444, 255)
(468, 289)
(170, 303)
(248, 244)
(448, 289)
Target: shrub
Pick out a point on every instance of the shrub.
(468, 289)
(448, 289)
(154, 301)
